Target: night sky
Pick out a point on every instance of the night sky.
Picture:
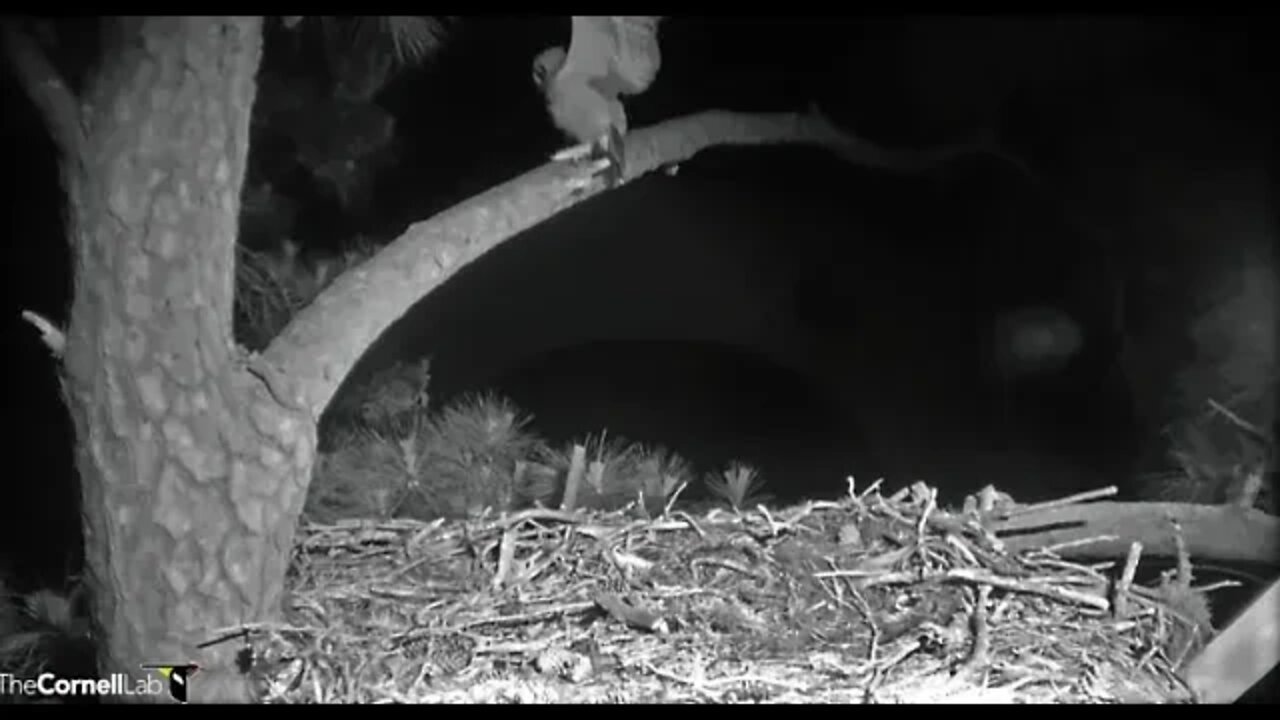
(776, 303)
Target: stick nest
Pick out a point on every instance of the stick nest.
(868, 599)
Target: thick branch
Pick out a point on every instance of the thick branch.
(1225, 534)
(326, 339)
(45, 86)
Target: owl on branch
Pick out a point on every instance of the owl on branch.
(608, 57)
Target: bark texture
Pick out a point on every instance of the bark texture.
(192, 473)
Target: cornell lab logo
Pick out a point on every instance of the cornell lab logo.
(179, 677)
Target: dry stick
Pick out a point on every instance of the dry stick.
(671, 501)
(979, 657)
(51, 335)
(693, 524)
(531, 617)
(1067, 545)
(1051, 591)
(1234, 419)
(506, 557)
(870, 489)
(930, 504)
(1068, 500)
(1248, 494)
(595, 475)
(976, 577)
(1123, 588)
(577, 468)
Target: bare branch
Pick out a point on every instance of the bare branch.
(45, 86)
(362, 303)
(1223, 533)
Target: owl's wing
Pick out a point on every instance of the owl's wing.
(618, 54)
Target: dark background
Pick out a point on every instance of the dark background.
(693, 310)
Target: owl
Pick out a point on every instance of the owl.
(608, 57)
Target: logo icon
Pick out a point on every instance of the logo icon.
(179, 677)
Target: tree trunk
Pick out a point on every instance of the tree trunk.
(192, 474)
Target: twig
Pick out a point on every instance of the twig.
(976, 576)
(506, 557)
(671, 501)
(686, 517)
(864, 609)
(930, 503)
(1056, 547)
(1121, 602)
(529, 618)
(1249, 428)
(870, 489)
(774, 526)
(1068, 500)
(979, 656)
(577, 466)
(1220, 585)
(50, 334)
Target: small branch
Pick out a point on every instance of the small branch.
(1063, 502)
(45, 86)
(50, 334)
(1245, 426)
(577, 467)
(1120, 605)
(980, 655)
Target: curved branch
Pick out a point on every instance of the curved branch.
(326, 339)
(45, 86)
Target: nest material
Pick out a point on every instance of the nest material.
(869, 599)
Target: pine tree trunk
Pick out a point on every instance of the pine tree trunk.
(192, 474)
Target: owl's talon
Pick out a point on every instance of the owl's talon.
(608, 57)
(595, 170)
(574, 153)
(600, 166)
(578, 184)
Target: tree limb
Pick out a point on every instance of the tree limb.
(45, 86)
(1221, 533)
(325, 340)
